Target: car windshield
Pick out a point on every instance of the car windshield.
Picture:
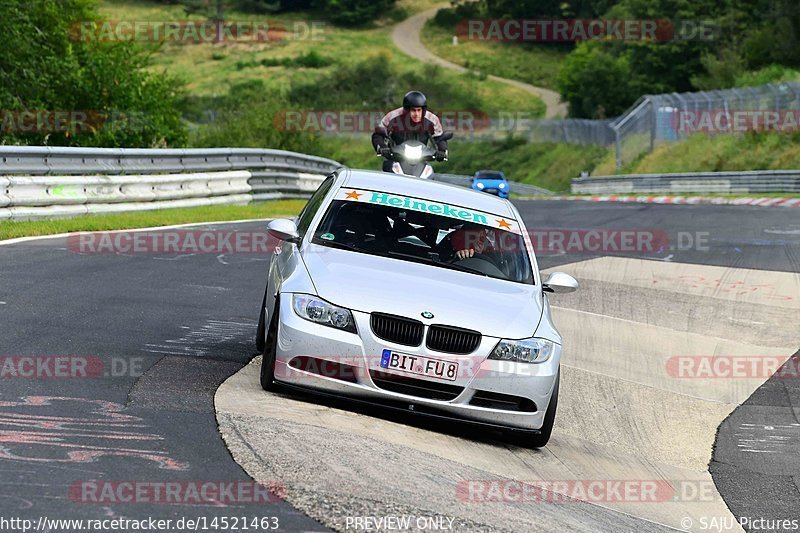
(490, 176)
(428, 232)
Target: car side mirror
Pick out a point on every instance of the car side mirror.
(559, 282)
(284, 229)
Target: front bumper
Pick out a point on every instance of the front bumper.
(495, 190)
(360, 354)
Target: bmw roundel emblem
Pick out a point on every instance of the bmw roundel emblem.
(427, 314)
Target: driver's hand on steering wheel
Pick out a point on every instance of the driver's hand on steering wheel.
(463, 254)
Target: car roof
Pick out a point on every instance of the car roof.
(431, 190)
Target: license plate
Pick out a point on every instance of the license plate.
(419, 364)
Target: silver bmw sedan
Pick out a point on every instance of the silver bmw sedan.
(415, 295)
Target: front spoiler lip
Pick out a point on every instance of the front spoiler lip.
(419, 410)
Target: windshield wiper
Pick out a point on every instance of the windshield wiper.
(342, 246)
(433, 262)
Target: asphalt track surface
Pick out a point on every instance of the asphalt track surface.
(187, 322)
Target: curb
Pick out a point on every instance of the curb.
(760, 202)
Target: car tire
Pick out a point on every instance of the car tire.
(261, 330)
(268, 355)
(541, 439)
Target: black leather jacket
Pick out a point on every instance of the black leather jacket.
(397, 126)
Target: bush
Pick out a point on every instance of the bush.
(595, 83)
(51, 68)
(375, 83)
(353, 12)
(251, 117)
(450, 17)
(310, 59)
(770, 74)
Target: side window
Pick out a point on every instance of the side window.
(307, 215)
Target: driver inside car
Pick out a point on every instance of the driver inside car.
(468, 241)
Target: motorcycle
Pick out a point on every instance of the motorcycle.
(411, 157)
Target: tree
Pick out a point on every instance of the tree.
(596, 83)
(353, 12)
(54, 70)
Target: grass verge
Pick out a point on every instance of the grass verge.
(536, 64)
(211, 69)
(10, 229)
(701, 153)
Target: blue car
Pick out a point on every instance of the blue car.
(491, 181)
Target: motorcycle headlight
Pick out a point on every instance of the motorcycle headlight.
(318, 310)
(480, 185)
(531, 350)
(413, 153)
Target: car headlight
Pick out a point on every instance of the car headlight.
(318, 310)
(480, 185)
(531, 350)
(413, 153)
(502, 185)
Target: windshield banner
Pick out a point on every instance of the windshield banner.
(429, 206)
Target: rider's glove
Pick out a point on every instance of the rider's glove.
(385, 152)
(441, 155)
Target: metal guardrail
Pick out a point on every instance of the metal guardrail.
(756, 181)
(41, 181)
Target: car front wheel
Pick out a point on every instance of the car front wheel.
(541, 439)
(268, 358)
(261, 330)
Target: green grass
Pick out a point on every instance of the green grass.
(351, 152)
(536, 64)
(145, 219)
(211, 69)
(547, 165)
(701, 153)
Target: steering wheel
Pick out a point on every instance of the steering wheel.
(481, 264)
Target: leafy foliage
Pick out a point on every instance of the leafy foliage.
(741, 36)
(48, 69)
(353, 12)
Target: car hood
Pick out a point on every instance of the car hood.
(370, 283)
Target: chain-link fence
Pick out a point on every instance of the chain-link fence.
(661, 118)
(657, 119)
(570, 131)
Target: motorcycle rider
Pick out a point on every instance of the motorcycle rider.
(410, 122)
